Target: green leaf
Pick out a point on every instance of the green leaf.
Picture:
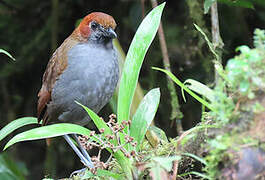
(48, 132)
(134, 59)
(125, 163)
(244, 86)
(144, 115)
(101, 173)
(7, 53)
(235, 64)
(207, 4)
(210, 45)
(200, 88)
(217, 144)
(196, 157)
(243, 49)
(96, 119)
(12, 126)
(254, 56)
(179, 83)
(10, 169)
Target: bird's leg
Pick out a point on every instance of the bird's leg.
(83, 150)
(80, 171)
(77, 151)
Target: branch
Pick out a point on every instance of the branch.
(217, 41)
(216, 38)
(175, 113)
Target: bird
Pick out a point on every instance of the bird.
(84, 68)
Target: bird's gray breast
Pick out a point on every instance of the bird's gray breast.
(90, 78)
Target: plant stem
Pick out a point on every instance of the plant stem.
(175, 113)
(125, 164)
(142, 5)
(216, 38)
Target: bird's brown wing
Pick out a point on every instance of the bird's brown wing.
(57, 64)
(48, 81)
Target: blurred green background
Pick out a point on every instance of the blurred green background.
(31, 30)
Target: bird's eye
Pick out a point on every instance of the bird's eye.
(93, 25)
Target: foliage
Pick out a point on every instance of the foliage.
(7, 53)
(142, 118)
(243, 76)
(49, 131)
(134, 59)
(246, 71)
(179, 83)
(10, 169)
(28, 39)
(16, 124)
(217, 147)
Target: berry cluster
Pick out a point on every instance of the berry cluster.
(108, 141)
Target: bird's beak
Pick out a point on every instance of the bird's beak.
(111, 33)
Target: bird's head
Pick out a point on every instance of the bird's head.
(97, 27)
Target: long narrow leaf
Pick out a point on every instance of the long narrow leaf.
(179, 83)
(138, 95)
(7, 53)
(138, 48)
(200, 88)
(196, 157)
(96, 119)
(48, 132)
(14, 125)
(144, 115)
(210, 45)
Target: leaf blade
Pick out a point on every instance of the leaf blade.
(101, 173)
(140, 44)
(13, 125)
(96, 119)
(48, 131)
(207, 4)
(200, 88)
(144, 115)
(7, 53)
(179, 83)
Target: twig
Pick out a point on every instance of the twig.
(217, 41)
(216, 38)
(175, 169)
(176, 113)
(184, 135)
(142, 5)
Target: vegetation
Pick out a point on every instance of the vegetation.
(219, 137)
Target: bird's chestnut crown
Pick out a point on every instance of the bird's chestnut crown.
(98, 26)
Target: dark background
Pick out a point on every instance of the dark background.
(30, 32)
